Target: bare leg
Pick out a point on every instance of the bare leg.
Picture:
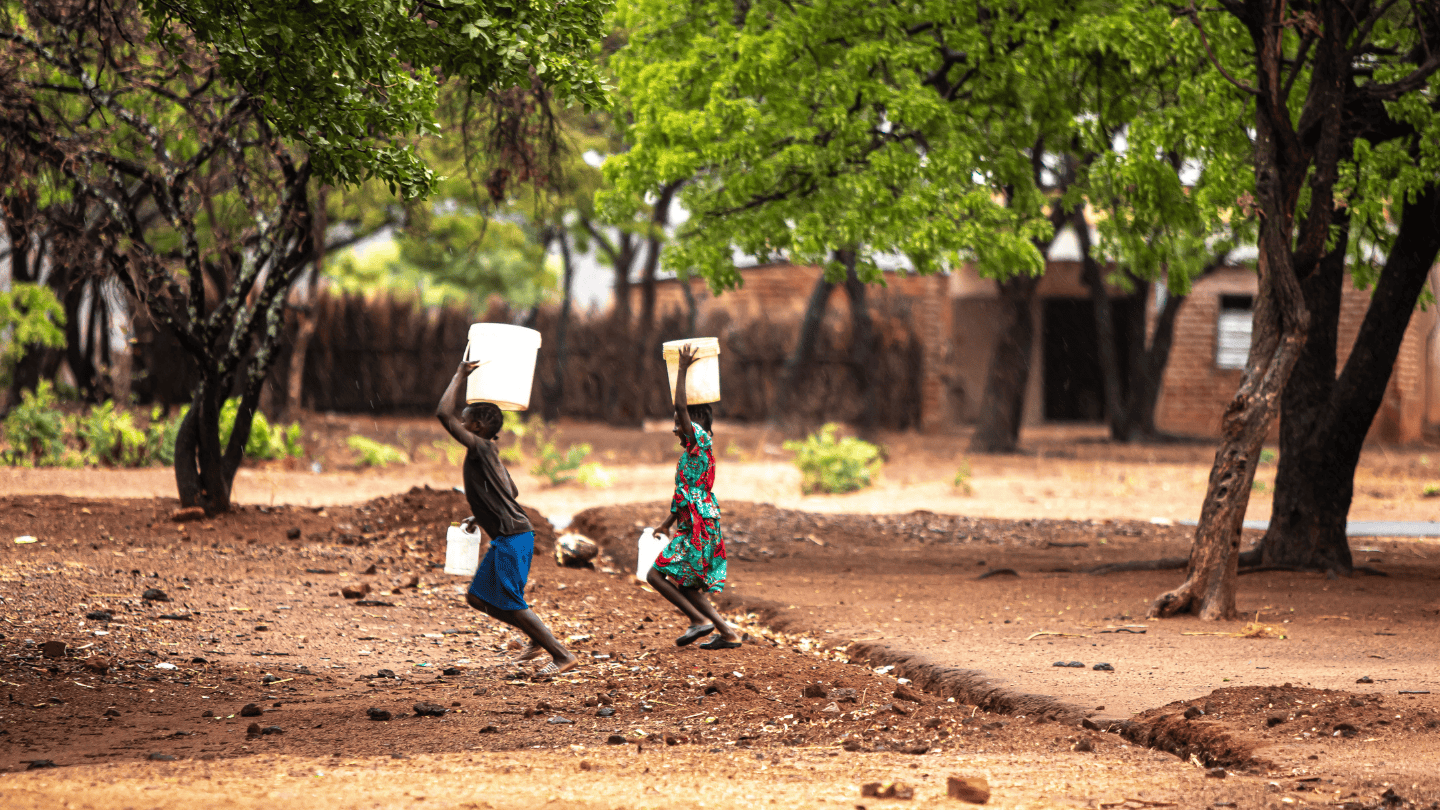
(674, 596)
(528, 623)
(701, 603)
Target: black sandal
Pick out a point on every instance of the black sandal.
(719, 643)
(695, 633)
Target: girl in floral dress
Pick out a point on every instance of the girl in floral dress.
(694, 560)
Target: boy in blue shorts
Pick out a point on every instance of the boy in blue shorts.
(498, 589)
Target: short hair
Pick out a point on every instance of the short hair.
(488, 414)
(701, 414)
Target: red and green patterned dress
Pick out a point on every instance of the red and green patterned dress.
(695, 557)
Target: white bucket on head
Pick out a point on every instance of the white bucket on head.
(506, 355)
(702, 381)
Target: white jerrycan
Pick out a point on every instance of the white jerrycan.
(462, 550)
(651, 544)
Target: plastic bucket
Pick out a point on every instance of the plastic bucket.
(702, 382)
(462, 551)
(651, 544)
(506, 355)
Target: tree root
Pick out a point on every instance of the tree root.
(1162, 564)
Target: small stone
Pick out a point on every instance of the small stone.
(377, 714)
(887, 790)
(1271, 722)
(1083, 745)
(355, 593)
(261, 628)
(615, 739)
(268, 678)
(37, 764)
(1345, 730)
(198, 660)
(252, 730)
(1194, 712)
(831, 708)
(450, 671)
(904, 692)
(385, 673)
(161, 757)
(933, 722)
(813, 690)
(585, 765)
(1087, 723)
(899, 709)
(676, 739)
(605, 711)
(973, 789)
(426, 709)
(1098, 667)
(852, 745)
(154, 595)
(112, 712)
(916, 750)
(293, 533)
(272, 730)
(557, 720)
(207, 713)
(844, 695)
(99, 615)
(491, 729)
(1217, 773)
(53, 649)
(1364, 679)
(251, 710)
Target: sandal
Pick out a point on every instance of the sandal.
(719, 643)
(694, 633)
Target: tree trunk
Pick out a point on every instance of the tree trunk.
(555, 392)
(645, 335)
(1003, 404)
(1094, 277)
(862, 342)
(692, 306)
(1324, 420)
(1285, 165)
(1147, 374)
(797, 364)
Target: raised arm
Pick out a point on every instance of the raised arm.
(452, 402)
(682, 412)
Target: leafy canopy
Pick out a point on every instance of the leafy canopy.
(355, 79)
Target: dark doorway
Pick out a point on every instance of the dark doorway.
(1074, 390)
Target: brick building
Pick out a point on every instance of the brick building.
(954, 316)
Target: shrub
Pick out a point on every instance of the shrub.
(962, 478)
(160, 434)
(830, 465)
(110, 437)
(1430, 491)
(35, 431)
(555, 466)
(376, 454)
(266, 442)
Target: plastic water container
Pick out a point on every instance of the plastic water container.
(506, 355)
(462, 551)
(651, 544)
(702, 381)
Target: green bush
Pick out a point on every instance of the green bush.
(962, 478)
(266, 442)
(830, 465)
(551, 464)
(376, 454)
(110, 437)
(35, 431)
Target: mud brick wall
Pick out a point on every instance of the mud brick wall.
(1196, 392)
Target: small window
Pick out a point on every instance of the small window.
(1232, 330)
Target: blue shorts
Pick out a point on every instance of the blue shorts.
(500, 579)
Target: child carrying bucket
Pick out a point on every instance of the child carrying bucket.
(694, 560)
(498, 589)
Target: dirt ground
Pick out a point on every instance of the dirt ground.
(876, 652)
